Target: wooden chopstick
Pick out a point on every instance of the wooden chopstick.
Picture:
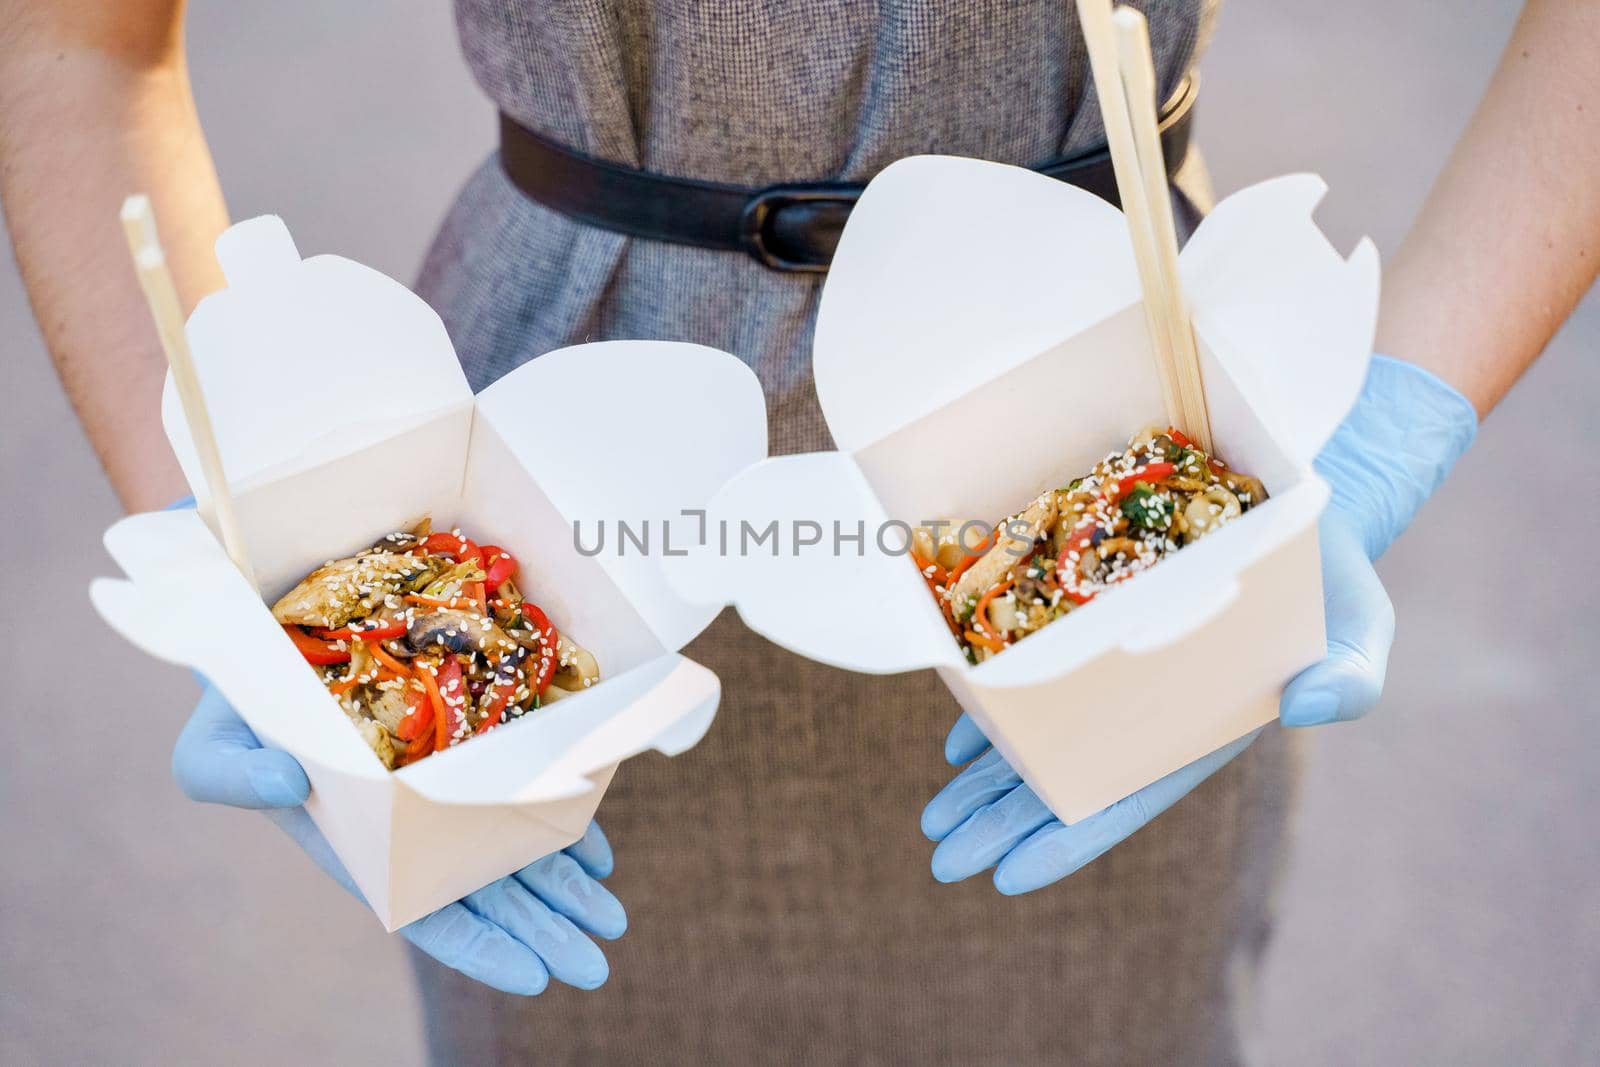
(150, 264)
(1094, 19)
(1139, 85)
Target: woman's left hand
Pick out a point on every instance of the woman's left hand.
(1405, 432)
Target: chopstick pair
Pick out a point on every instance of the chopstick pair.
(1125, 81)
(150, 264)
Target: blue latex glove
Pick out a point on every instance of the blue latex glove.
(515, 935)
(1388, 456)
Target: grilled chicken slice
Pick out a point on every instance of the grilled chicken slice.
(1007, 551)
(377, 738)
(389, 706)
(337, 592)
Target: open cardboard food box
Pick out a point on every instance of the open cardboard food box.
(342, 414)
(981, 339)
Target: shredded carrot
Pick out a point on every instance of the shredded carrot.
(991, 643)
(416, 749)
(394, 665)
(980, 615)
(923, 565)
(479, 596)
(344, 685)
(934, 581)
(441, 718)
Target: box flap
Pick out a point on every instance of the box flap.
(794, 543)
(304, 360)
(186, 603)
(555, 752)
(634, 433)
(951, 272)
(1291, 318)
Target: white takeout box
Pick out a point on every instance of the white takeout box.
(980, 339)
(342, 414)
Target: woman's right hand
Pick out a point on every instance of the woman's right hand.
(515, 934)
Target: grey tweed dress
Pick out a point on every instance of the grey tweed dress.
(781, 907)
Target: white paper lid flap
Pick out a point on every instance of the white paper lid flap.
(302, 360)
(1292, 319)
(552, 754)
(185, 602)
(950, 272)
(634, 433)
(793, 542)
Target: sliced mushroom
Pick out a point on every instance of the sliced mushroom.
(1209, 510)
(458, 631)
(1249, 490)
(399, 541)
(576, 667)
(554, 693)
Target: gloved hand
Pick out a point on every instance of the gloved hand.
(1399, 441)
(515, 934)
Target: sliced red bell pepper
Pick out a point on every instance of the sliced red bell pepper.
(454, 546)
(500, 694)
(422, 746)
(453, 695)
(1179, 438)
(383, 631)
(415, 750)
(319, 653)
(547, 646)
(1150, 473)
(501, 565)
(419, 719)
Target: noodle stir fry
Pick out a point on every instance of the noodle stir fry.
(1072, 544)
(425, 640)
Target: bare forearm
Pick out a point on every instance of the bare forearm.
(87, 117)
(1509, 240)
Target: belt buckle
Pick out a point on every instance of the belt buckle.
(759, 210)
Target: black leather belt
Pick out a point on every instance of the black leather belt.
(789, 227)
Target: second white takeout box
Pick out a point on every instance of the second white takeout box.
(342, 414)
(980, 339)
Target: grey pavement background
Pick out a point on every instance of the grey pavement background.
(1440, 904)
